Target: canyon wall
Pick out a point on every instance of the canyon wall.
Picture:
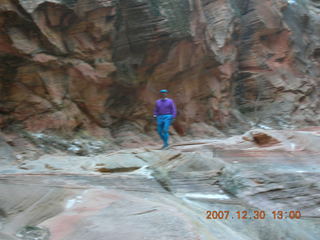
(97, 65)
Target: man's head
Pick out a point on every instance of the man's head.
(164, 93)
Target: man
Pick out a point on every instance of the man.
(165, 112)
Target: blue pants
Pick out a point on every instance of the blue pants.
(163, 124)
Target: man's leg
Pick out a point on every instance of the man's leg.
(160, 126)
(167, 123)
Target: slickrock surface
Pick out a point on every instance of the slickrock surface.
(145, 193)
(97, 66)
(78, 150)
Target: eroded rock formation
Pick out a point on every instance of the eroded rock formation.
(72, 65)
(165, 194)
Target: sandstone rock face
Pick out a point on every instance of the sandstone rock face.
(145, 193)
(72, 65)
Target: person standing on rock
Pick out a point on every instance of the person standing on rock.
(165, 112)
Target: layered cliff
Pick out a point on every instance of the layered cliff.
(97, 65)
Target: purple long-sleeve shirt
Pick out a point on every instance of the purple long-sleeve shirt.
(165, 106)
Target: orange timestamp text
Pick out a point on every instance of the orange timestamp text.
(257, 214)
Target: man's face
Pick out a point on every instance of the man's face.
(163, 95)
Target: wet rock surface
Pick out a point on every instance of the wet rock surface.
(165, 194)
(33, 233)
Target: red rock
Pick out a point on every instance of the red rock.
(226, 65)
(73, 201)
